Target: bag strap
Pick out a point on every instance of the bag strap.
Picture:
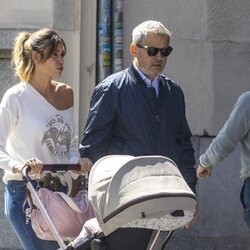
(70, 202)
(28, 200)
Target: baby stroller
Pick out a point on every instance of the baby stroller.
(132, 197)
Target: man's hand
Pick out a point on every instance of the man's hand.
(191, 223)
(86, 165)
(202, 172)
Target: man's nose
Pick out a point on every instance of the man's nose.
(158, 55)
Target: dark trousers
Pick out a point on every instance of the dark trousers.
(245, 200)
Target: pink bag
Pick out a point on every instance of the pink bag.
(67, 214)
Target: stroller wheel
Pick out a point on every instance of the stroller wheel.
(96, 244)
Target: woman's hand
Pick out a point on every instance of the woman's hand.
(17, 168)
(86, 165)
(35, 165)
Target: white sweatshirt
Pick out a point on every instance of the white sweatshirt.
(32, 127)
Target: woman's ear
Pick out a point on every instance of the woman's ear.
(35, 57)
(133, 49)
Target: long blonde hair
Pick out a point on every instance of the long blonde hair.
(43, 42)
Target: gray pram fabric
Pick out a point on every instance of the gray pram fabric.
(146, 192)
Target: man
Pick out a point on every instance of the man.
(139, 111)
(235, 131)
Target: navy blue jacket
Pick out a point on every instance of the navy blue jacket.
(126, 117)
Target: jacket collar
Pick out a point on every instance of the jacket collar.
(135, 75)
(137, 78)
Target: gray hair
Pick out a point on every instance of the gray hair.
(150, 26)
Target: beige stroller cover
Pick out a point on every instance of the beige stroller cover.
(144, 192)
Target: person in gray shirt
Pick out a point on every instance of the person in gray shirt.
(235, 130)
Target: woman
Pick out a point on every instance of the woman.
(37, 124)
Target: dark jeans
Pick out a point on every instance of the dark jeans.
(14, 198)
(245, 200)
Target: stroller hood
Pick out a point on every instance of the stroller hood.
(146, 191)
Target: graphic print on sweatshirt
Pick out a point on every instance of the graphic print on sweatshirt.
(57, 136)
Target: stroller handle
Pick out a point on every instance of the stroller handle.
(61, 167)
(51, 167)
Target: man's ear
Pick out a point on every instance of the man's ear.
(133, 49)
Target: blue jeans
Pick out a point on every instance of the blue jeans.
(245, 200)
(14, 198)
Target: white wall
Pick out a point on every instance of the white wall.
(26, 13)
(210, 60)
(211, 40)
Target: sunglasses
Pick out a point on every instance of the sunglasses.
(152, 51)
